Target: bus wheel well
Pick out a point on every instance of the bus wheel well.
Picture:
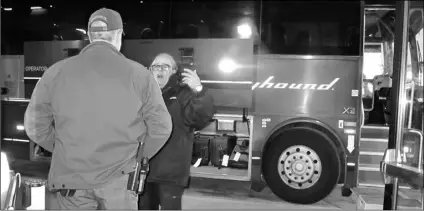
(333, 137)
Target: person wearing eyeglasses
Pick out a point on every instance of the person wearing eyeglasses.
(191, 108)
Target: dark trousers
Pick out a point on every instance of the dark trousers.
(168, 197)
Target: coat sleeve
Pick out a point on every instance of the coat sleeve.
(38, 120)
(154, 113)
(198, 108)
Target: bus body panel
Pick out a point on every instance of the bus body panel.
(315, 89)
(306, 86)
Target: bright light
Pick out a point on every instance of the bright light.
(368, 91)
(5, 176)
(373, 65)
(244, 30)
(409, 76)
(370, 87)
(82, 30)
(20, 127)
(51, 6)
(227, 65)
(36, 8)
(404, 101)
(7, 9)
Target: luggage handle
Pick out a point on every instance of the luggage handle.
(241, 153)
(221, 156)
(204, 153)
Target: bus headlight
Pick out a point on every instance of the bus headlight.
(227, 65)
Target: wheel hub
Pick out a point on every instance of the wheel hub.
(300, 167)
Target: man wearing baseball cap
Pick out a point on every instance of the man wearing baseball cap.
(92, 111)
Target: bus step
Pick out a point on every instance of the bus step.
(373, 144)
(375, 132)
(370, 158)
(369, 174)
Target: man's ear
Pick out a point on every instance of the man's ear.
(174, 70)
(121, 33)
(89, 36)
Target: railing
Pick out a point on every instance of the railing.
(400, 163)
(10, 202)
(398, 168)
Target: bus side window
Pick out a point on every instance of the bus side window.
(298, 28)
(147, 33)
(148, 20)
(198, 19)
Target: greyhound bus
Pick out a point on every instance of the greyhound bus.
(286, 77)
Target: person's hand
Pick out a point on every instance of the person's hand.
(191, 78)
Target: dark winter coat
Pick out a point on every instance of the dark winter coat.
(189, 111)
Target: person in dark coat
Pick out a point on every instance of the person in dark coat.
(93, 137)
(191, 108)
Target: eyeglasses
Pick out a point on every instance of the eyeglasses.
(160, 68)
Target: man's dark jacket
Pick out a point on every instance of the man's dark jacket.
(189, 111)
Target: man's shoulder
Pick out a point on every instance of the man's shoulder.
(136, 66)
(60, 63)
(54, 69)
(138, 70)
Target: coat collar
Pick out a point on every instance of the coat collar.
(101, 44)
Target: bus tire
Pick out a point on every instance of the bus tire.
(302, 165)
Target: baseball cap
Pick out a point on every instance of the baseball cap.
(111, 18)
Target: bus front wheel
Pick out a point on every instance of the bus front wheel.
(301, 165)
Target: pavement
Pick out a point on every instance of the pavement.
(205, 193)
(227, 194)
(223, 194)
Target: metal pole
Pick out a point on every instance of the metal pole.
(1, 82)
(422, 199)
(398, 96)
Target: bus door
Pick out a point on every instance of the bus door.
(403, 160)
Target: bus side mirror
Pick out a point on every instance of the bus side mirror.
(368, 95)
